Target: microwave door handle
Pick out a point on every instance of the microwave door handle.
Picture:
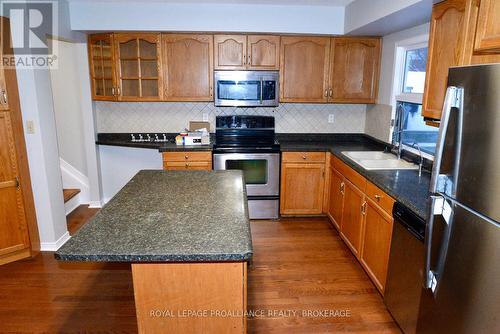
(449, 102)
(261, 89)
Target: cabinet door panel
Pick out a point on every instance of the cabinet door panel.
(350, 228)
(354, 70)
(376, 243)
(304, 67)
(139, 73)
(488, 27)
(263, 52)
(302, 187)
(188, 67)
(230, 52)
(336, 203)
(102, 67)
(447, 44)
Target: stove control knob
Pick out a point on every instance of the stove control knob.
(156, 138)
(133, 137)
(140, 137)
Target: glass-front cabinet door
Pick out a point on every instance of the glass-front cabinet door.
(138, 67)
(102, 67)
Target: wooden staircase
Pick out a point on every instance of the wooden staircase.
(69, 194)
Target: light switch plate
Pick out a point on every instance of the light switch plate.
(30, 127)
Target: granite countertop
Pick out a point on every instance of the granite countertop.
(123, 140)
(169, 216)
(403, 185)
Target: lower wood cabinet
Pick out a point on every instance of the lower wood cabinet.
(377, 233)
(352, 217)
(189, 160)
(302, 183)
(336, 198)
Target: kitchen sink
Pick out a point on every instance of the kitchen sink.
(377, 160)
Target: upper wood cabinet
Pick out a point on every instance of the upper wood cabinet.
(354, 70)
(304, 67)
(139, 72)
(450, 44)
(102, 67)
(488, 27)
(263, 52)
(188, 67)
(242, 52)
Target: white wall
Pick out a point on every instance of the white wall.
(67, 107)
(160, 16)
(378, 117)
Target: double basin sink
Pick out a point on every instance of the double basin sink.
(376, 160)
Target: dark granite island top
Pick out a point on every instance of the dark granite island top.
(169, 216)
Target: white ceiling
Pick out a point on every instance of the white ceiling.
(332, 3)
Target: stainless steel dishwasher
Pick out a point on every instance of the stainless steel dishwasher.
(406, 267)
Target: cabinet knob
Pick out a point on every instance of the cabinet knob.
(186, 157)
(304, 157)
(378, 197)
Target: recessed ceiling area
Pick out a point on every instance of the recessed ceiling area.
(332, 3)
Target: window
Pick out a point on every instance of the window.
(412, 130)
(414, 72)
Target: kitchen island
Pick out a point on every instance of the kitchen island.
(187, 235)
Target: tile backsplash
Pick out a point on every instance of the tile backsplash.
(116, 117)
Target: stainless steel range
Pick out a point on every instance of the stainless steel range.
(248, 143)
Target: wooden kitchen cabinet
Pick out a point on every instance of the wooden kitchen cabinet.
(450, 44)
(377, 233)
(246, 52)
(139, 73)
(354, 70)
(304, 69)
(263, 52)
(188, 160)
(230, 52)
(188, 67)
(336, 200)
(488, 27)
(302, 184)
(102, 67)
(352, 217)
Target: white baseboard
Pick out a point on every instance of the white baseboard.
(95, 204)
(54, 246)
(72, 204)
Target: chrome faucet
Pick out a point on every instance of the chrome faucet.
(400, 146)
(421, 158)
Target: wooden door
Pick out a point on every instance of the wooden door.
(188, 67)
(352, 217)
(336, 202)
(450, 44)
(14, 237)
(102, 67)
(138, 67)
(230, 52)
(302, 187)
(354, 70)
(488, 27)
(263, 52)
(376, 243)
(304, 66)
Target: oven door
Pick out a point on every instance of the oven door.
(246, 88)
(261, 170)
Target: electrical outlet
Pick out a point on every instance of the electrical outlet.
(205, 117)
(30, 127)
(331, 118)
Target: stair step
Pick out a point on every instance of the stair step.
(69, 194)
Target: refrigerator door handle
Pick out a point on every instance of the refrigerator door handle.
(439, 207)
(450, 101)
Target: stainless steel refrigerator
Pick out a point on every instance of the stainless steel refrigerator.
(462, 266)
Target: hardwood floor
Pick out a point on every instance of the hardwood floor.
(299, 265)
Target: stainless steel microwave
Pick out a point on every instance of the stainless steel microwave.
(246, 88)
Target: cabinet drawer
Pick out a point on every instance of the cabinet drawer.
(379, 197)
(187, 156)
(304, 156)
(357, 179)
(187, 165)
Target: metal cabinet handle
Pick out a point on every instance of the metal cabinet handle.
(342, 188)
(330, 93)
(113, 91)
(378, 197)
(326, 92)
(118, 90)
(363, 208)
(4, 96)
(186, 157)
(304, 157)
